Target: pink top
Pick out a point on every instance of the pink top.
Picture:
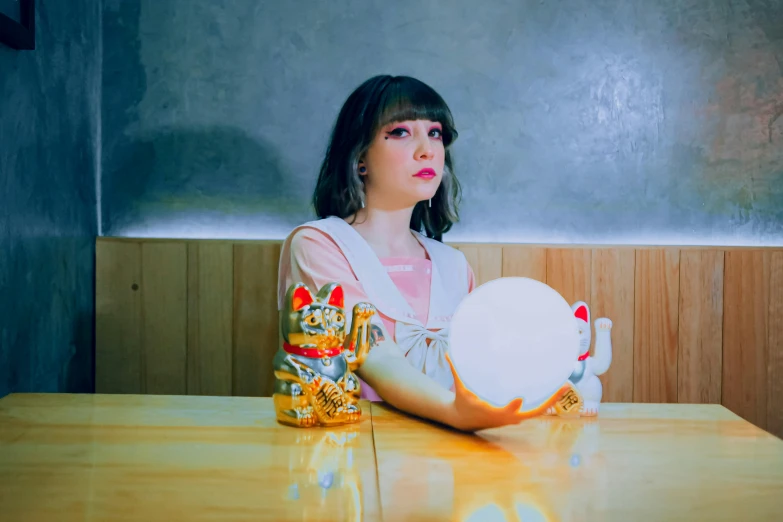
(317, 260)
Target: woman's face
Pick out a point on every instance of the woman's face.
(404, 164)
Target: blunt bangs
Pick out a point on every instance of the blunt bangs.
(408, 99)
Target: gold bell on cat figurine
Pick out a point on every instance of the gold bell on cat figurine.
(314, 367)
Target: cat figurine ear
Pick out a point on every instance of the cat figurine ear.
(332, 294)
(299, 296)
(581, 311)
(582, 314)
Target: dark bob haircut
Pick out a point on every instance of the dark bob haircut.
(379, 101)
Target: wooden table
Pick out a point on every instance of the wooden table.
(165, 458)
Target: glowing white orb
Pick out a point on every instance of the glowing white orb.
(514, 337)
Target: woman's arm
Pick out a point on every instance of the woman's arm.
(397, 382)
(409, 390)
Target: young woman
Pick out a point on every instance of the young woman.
(385, 196)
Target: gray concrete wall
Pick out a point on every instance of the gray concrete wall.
(582, 121)
(49, 117)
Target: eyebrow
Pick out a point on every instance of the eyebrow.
(405, 124)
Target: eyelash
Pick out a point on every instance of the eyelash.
(396, 132)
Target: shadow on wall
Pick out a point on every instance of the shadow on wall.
(80, 370)
(47, 321)
(187, 182)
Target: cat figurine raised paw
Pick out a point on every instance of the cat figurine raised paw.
(315, 384)
(588, 367)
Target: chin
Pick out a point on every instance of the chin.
(423, 198)
(414, 195)
(425, 192)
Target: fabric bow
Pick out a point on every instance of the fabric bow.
(431, 360)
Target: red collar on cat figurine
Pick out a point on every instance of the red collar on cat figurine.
(313, 353)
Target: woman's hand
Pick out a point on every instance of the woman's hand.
(472, 413)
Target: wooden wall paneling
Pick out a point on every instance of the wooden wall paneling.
(700, 361)
(745, 336)
(612, 296)
(486, 261)
(164, 291)
(568, 271)
(118, 339)
(201, 317)
(524, 261)
(775, 346)
(210, 318)
(656, 299)
(256, 321)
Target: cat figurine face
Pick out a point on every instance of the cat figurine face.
(314, 322)
(314, 379)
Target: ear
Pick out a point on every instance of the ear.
(581, 311)
(301, 297)
(337, 297)
(333, 295)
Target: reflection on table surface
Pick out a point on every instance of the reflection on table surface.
(124, 457)
(634, 462)
(133, 457)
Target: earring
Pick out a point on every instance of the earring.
(430, 202)
(362, 169)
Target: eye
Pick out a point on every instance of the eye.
(312, 320)
(398, 132)
(338, 318)
(436, 133)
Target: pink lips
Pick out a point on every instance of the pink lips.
(425, 174)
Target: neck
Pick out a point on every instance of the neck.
(388, 232)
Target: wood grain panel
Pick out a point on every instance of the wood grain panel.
(165, 309)
(524, 261)
(568, 271)
(655, 325)
(210, 318)
(745, 312)
(700, 366)
(486, 261)
(775, 346)
(256, 322)
(118, 351)
(612, 296)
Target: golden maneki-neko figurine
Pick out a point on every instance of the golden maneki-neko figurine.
(315, 384)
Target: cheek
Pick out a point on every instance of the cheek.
(392, 163)
(398, 157)
(440, 154)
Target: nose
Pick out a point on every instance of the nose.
(424, 148)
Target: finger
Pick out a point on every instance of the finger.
(540, 410)
(514, 405)
(457, 379)
(461, 389)
(458, 384)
